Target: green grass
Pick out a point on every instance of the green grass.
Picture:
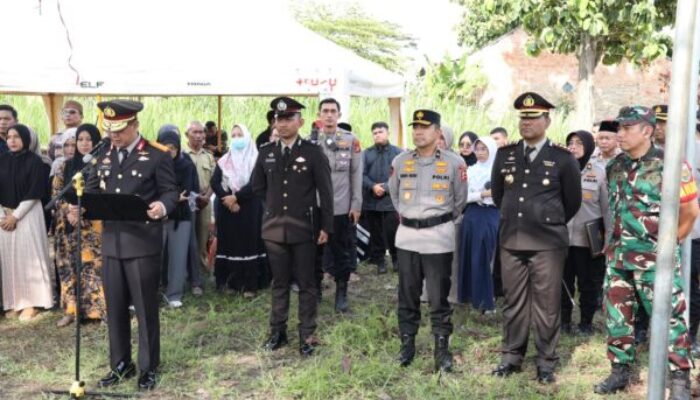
(210, 350)
(251, 112)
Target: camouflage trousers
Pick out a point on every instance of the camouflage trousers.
(621, 307)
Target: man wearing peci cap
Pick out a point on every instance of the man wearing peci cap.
(131, 251)
(661, 113)
(428, 188)
(287, 176)
(537, 186)
(634, 186)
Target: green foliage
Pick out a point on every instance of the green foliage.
(350, 27)
(455, 79)
(620, 29)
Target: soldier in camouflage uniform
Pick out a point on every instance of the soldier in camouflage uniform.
(634, 179)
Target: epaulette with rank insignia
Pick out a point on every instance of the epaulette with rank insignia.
(159, 146)
(508, 146)
(560, 147)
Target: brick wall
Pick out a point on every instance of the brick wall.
(511, 71)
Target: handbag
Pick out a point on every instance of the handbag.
(595, 232)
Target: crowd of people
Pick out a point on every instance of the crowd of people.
(530, 220)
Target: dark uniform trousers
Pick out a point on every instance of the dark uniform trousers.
(133, 281)
(382, 234)
(339, 244)
(436, 269)
(531, 282)
(591, 273)
(295, 261)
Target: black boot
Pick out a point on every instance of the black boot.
(618, 380)
(408, 350)
(381, 268)
(566, 328)
(443, 357)
(395, 264)
(680, 385)
(341, 296)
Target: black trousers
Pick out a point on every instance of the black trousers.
(339, 242)
(532, 288)
(287, 262)
(436, 269)
(694, 288)
(382, 226)
(133, 281)
(588, 273)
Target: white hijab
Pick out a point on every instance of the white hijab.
(237, 165)
(480, 173)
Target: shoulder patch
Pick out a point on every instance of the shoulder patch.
(158, 146)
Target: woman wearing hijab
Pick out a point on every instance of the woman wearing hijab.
(466, 147)
(24, 253)
(92, 298)
(479, 231)
(239, 252)
(581, 266)
(178, 229)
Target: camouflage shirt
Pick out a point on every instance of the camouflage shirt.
(635, 201)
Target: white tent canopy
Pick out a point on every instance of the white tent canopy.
(178, 48)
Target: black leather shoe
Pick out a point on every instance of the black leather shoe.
(341, 297)
(275, 341)
(124, 370)
(381, 268)
(566, 328)
(545, 376)
(618, 380)
(306, 349)
(504, 370)
(585, 329)
(680, 385)
(442, 355)
(408, 350)
(147, 381)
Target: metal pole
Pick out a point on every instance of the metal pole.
(670, 196)
(690, 157)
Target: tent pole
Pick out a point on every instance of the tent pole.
(218, 123)
(100, 115)
(670, 197)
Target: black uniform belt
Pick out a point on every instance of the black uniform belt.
(426, 222)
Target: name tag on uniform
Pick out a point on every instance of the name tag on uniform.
(548, 163)
(300, 159)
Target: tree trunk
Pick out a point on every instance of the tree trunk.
(585, 102)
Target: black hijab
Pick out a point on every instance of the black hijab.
(588, 146)
(470, 159)
(76, 164)
(23, 175)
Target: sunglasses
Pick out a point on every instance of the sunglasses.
(69, 112)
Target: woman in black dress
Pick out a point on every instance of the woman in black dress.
(240, 252)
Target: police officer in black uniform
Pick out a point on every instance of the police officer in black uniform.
(131, 251)
(537, 186)
(287, 176)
